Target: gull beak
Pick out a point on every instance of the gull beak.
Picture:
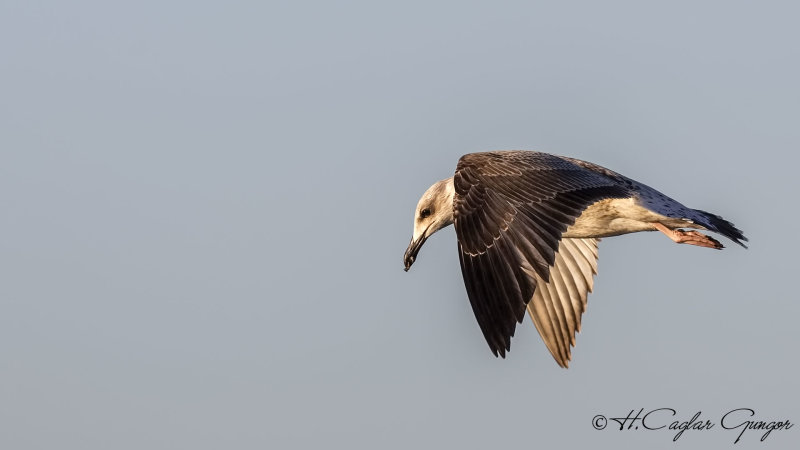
(412, 250)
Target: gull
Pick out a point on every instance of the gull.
(528, 225)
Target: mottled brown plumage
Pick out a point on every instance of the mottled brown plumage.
(527, 225)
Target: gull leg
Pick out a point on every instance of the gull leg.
(688, 237)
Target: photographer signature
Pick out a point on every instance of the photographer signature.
(740, 419)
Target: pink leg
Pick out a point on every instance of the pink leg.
(688, 237)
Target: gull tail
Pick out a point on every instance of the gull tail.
(723, 227)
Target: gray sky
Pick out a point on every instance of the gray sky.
(205, 207)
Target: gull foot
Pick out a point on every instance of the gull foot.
(689, 237)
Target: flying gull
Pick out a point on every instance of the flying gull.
(528, 224)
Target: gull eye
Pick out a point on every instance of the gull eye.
(424, 213)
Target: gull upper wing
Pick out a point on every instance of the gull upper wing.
(510, 210)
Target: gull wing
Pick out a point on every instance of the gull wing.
(558, 303)
(510, 210)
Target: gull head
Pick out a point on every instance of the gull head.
(434, 212)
